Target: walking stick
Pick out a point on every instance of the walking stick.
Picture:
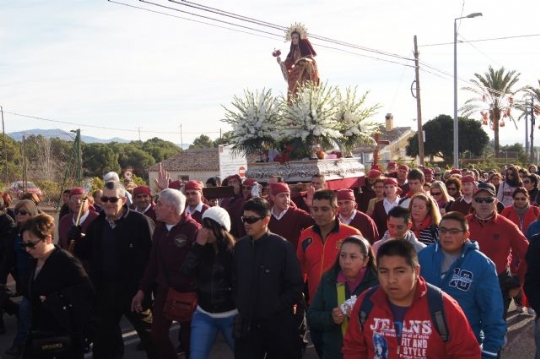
(71, 247)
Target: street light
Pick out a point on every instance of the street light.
(456, 134)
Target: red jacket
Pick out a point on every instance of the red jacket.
(497, 238)
(316, 256)
(419, 337)
(529, 217)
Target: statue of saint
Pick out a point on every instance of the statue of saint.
(300, 66)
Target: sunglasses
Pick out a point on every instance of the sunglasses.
(436, 193)
(30, 245)
(22, 212)
(250, 220)
(484, 199)
(106, 199)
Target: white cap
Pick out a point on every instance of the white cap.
(219, 215)
(111, 176)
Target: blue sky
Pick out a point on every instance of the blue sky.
(126, 71)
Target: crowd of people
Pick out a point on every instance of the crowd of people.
(413, 263)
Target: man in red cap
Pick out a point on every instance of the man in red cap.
(366, 192)
(391, 200)
(402, 172)
(143, 203)
(348, 214)
(286, 220)
(235, 182)
(428, 174)
(77, 200)
(194, 200)
(391, 169)
(464, 203)
(237, 208)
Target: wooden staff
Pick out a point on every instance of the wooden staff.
(71, 247)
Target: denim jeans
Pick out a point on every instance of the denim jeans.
(24, 322)
(204, 330)
(536, 324)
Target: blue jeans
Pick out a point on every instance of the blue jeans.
(24, 322)
(204, 330)
(536, 324)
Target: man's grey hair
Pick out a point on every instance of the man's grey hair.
(175, 198)
(114, 185)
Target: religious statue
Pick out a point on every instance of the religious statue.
(300, 66)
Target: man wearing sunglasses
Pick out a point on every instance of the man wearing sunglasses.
(117, 247)
(267, 284)
(498, 238)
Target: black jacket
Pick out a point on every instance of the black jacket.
(133, 240)
(213, 274)
(267, 280)
(68, 291)
(532, 276)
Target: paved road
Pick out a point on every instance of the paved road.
(520, 340)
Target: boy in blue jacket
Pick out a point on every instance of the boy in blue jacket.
(455, 264)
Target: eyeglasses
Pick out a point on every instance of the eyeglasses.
(520, 198)
(30, 245)
(452, 231)
(436, 193)
(250, 220)
(22, 212)
(106, 199)
(484, 199)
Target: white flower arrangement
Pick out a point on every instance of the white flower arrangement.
(318, 116)
(352, 115)
(254, 121)
(310, 117)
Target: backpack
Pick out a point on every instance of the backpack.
(435, 303)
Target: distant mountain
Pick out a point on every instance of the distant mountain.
(67, 136)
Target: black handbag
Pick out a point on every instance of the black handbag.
(49, 343)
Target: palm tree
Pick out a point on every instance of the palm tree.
(531, 97)
(495, 99)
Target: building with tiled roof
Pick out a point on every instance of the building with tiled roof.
(201, 164)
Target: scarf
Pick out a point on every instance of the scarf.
(426, 223)
(521, 213)
(352, 285)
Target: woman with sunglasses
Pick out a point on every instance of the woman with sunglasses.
(57, 281)
(353, 272)
(507, 187)
(530, 182)
(440, 195)
(16, 263)
(425, 218)
(210, 264)
(522, 214)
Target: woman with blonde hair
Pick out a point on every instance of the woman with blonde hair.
(440, 195)
(425, 218)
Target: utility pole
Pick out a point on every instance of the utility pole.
(418, 104)
(181, 138)
(533, 120)
(5, 145)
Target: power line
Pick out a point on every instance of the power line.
(100, 127)
(484, 40)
